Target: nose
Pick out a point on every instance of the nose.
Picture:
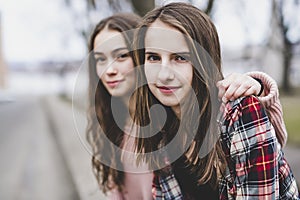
(111, 69)
(166, 73)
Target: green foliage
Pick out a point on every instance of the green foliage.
(291, 111)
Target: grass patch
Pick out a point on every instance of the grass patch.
(291, 114)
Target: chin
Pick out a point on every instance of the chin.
(117, 94)
(170, 103)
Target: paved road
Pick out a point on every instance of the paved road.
(31, 165)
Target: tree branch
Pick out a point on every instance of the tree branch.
(209, 7)
(142, 7)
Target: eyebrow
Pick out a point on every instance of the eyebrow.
(119, 49)
(151, 53)
(113, 52)
(182, 53)
(176, 53)
(98, 53)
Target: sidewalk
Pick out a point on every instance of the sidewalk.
(32, 166)
(75, 154)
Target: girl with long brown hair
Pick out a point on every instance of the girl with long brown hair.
(112, 79)
(205, 148)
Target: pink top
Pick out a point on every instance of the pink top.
(137, 181)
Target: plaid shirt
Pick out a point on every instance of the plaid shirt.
(256, 168)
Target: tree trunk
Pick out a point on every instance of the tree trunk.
(287, 58)
(141, 7)
(209, 7)
(287, 50)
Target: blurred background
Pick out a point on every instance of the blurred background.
(43, 46)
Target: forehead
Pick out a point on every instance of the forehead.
(108, 40)
(165, 37)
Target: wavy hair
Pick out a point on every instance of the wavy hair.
(202, 39)
(101, 123)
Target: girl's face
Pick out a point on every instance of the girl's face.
(168, 68)
(113, 62)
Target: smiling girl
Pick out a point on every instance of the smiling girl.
(229, 151)
(112, 77)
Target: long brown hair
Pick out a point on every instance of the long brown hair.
(100, 119)
(202, 39)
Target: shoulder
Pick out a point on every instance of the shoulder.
(246, 109)
(270, 88)
(243, 103)
(246, 125)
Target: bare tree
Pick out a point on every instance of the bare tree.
(85, 21)
(141, 7)
(208, 7)
(284, 25)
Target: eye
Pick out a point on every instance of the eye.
(152, 57)
(122, 56)
(100, 59)
(181, 58)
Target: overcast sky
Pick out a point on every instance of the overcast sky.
(38, 30)
(44, 30)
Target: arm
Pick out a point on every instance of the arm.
(260, 170)
(273, 106)
(236, 85)
(253, 150)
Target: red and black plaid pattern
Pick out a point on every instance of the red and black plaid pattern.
(256, 167)
(254, 157)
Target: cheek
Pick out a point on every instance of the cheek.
(186, 74)
(150, 79)
(100, 71)
(146, 71)
(151, 73)
(131, 78)
(127, 66)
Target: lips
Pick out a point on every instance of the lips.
(167, 89)
(113, 84)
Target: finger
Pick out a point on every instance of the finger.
(229, 94)
(251, 91)
(239, 92)
(247, 87)
(222, 87)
